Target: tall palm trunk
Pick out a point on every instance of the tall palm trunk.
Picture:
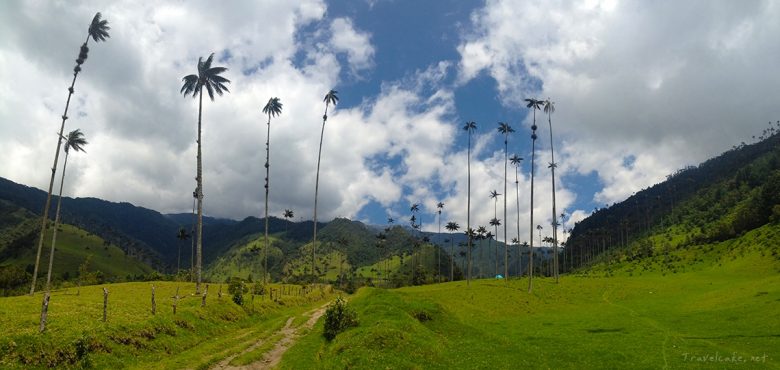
(192, 246)
(45, 216)
(452, 259)
(506, 220)
(56, 225)
(199, 243)
(438, 250)
(468, 211)
(316, 194)
(554, 213)
(519, 251)
(267, 186)
(531, 249)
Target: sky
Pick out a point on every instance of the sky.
(640, 88)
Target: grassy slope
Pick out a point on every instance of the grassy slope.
(73, 247)
(194, 338)
(719, 307)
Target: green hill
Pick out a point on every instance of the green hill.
(75, 247)
(721, 200)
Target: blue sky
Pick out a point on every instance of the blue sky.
(641, 89)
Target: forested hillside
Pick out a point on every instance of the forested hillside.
(721, 199)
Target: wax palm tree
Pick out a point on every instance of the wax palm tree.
(182, 235)
(505, 129)
(208, 77)
(75, 140)
(330, 98)
(439, 207)
(549, 108)
(98, 31)
(534, 104)
(288, 214)
(272, 108)
(452, 227)
(495, 223)
(469, 127)
(516, 160)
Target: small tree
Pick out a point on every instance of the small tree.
(339, 317)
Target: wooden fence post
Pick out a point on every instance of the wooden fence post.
(175, 300)
(44, 311)
(205, 292)
(154, 304)
(105, 304)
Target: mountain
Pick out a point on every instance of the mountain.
(145, 234)
(720, 201)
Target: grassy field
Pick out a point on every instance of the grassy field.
(195, 337)
(721, 315)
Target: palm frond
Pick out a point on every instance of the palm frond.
(98, 29)
(273, 107)
(75, 140)
(331, 97)
(190, 85)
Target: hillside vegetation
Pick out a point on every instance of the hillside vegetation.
(80, 256)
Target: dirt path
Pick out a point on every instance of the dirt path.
(288, 336)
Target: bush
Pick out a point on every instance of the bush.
(339, 317)
(237, 289)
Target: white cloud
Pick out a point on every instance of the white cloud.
(670, 84)
(357, 45)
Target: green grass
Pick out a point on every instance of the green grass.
(74, 245)
(132, 337)
(655, 320)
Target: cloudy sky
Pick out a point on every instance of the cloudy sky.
(641, 89)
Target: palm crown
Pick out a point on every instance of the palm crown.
(494, 194)
(470, 126)
(207, 76)
(273, 108)
(288, 213)
(549, 106)
(98, 29)
(515, 160)
(452, 226)
(75, 140)
(504, 128)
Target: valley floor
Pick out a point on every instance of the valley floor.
(726, 317)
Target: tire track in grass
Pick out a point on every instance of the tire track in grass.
(284, 338)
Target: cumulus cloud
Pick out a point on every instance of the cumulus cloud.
(666, 84)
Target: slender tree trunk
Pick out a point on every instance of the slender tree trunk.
(554, 212)
(452, 259)
(438, 249)
(45, 216)
(178, 257)
(267, 187)
(56, 224)
(506, 220)
(316, 194)
(519, 251)
(531, 249)
(199, 251)
(468, 211)
(192, 246)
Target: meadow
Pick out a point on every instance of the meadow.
(725, 315)
(133, 337)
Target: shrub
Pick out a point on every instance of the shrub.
(339, 317)
(237, 289)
